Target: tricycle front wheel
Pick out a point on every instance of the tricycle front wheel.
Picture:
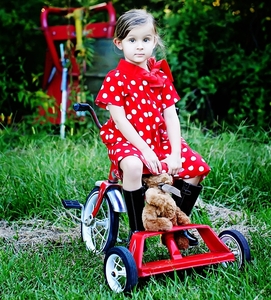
(99, 231)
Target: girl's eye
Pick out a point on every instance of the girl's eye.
(146, 40)
(132, 40)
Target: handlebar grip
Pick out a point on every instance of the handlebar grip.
(81, 107)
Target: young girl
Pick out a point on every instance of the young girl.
(144, 129)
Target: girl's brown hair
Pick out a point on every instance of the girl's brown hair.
(133, 18)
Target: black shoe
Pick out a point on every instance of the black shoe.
(193, 241)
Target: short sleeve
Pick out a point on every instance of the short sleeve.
(169, 94)
(111, 91)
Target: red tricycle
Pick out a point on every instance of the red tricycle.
(123, 266)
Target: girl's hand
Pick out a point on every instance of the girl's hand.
(152, 160)
(174, 164)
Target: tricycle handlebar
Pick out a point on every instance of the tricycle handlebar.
(87, 107)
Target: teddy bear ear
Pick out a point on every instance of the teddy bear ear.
(146, 180)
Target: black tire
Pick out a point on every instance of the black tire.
(237, 244)
(99, 232)
(120, 270)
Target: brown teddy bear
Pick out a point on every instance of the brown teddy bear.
(161, 212)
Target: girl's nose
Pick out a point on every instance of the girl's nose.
(139, 45)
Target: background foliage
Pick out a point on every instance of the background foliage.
(219, 51)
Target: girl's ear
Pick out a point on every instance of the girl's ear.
(117, 43)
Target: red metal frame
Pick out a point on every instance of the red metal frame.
(63, 33)
(218, 251)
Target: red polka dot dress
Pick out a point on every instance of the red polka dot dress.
(144, 96)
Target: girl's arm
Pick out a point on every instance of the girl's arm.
(128, 131)
(174, 134)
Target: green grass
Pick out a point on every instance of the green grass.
(37, 171)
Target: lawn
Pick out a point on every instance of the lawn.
(42, 256)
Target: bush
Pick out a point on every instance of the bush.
(218, 76)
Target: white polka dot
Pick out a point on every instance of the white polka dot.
(104, 95)
(146, 114)
(193, 158)
(141, 133)
(165, 147)
(118, 150)
(148, 141)
(136, 95)
(183, 159)
(144, 82)
(141, 88)
(117, 74)
(141, 120)
(120, 83)
(157, 119)
(191, 168)
(159, 97)
(149, 113)
(143, 101)
(127, 103)
(112, 88)
(102, 132)
(129, 117)
(117, 98)
(133, 82)
(108, 79)
(186, 176)
(134, 112)
(168, 96)
(127, 151)
(148, 127)
(201, 168)
(119, 139)
(184, 150)
(111, 136)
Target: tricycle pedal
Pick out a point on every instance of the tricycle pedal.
(71, 204)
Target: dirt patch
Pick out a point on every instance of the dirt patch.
(31, 233)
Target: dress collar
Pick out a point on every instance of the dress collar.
(155, 77)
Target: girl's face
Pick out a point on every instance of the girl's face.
(138, 45)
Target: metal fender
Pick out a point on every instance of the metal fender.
(116, 199)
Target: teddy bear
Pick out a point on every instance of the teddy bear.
(161, 212)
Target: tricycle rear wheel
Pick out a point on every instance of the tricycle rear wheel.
(237, 244)
(120, 269)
